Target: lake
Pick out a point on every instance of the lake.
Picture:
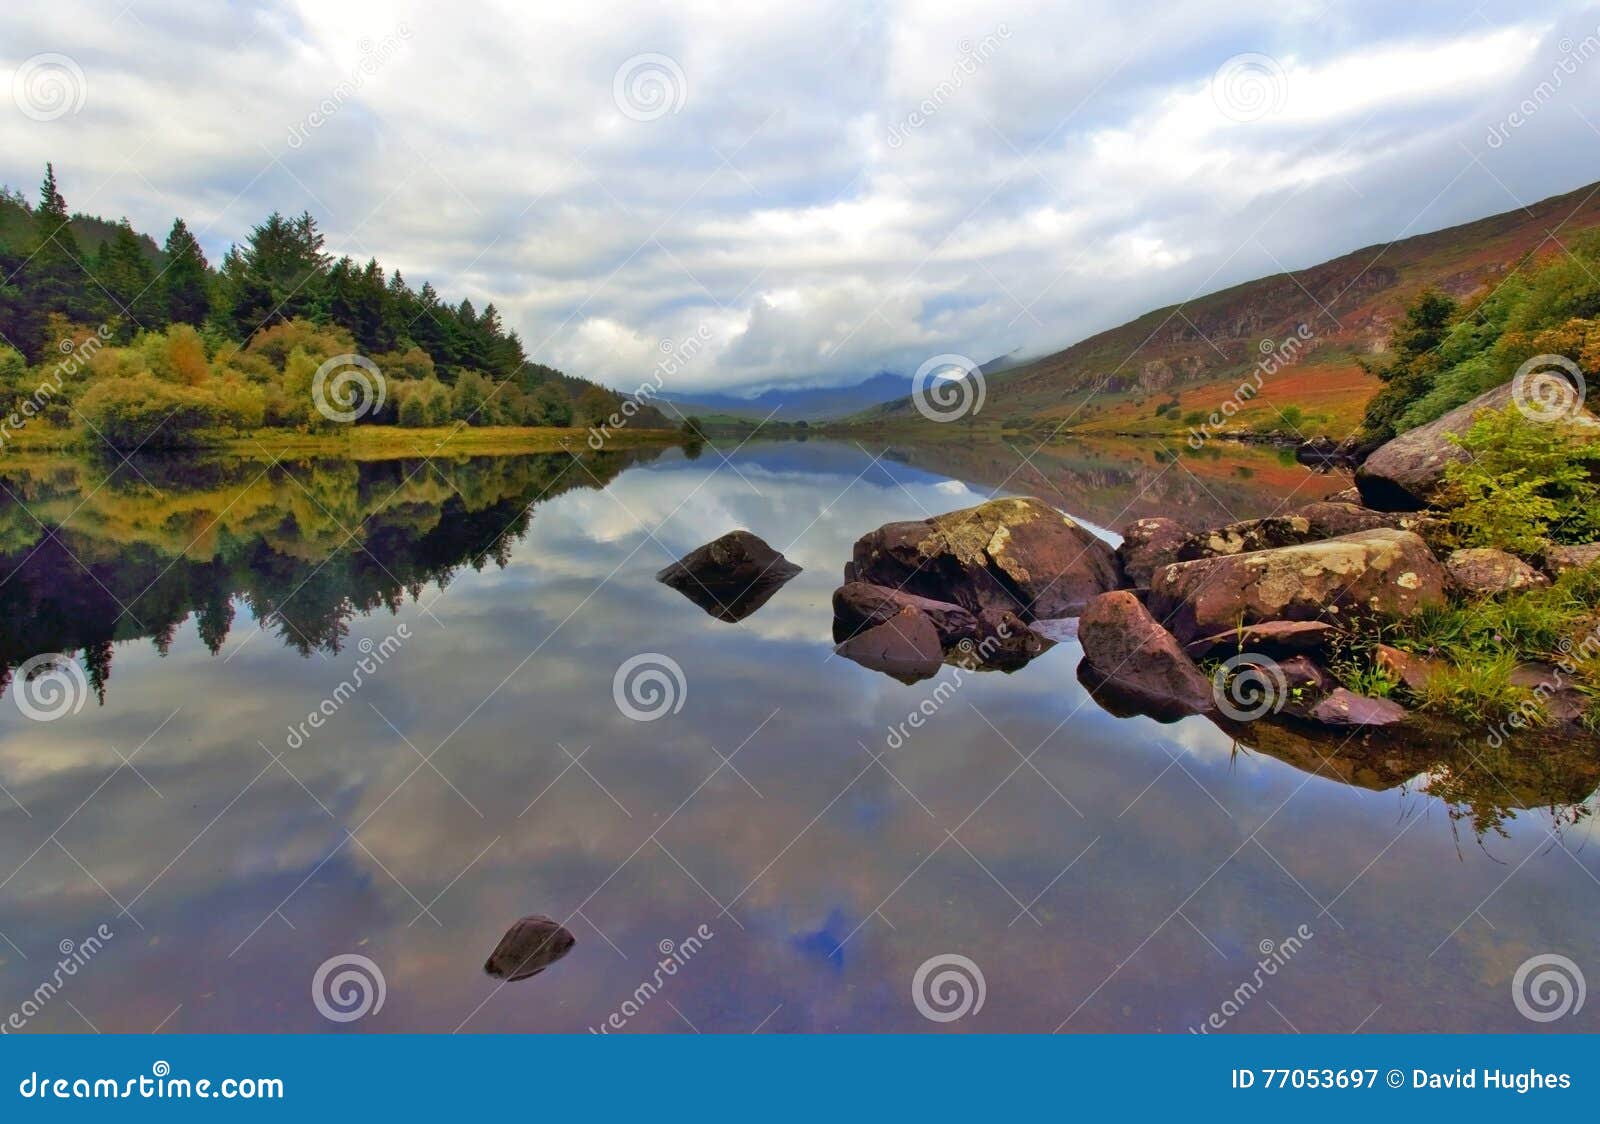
(320, 710)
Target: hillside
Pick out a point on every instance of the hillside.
(1190, 356)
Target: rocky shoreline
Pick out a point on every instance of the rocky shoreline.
(1241, 621)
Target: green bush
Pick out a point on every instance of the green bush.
(1523, 482)
(145, 412)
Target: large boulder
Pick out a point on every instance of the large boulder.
(1484, 570)
(1381, 573)
(1128, 650)
(1405, 474)
(730, 577)
(1020, 555)
(1147, 545)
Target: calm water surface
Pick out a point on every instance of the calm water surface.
(1103, 873)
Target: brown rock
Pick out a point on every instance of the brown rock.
(528, 948)
(1271, 637)
(1127, 648)
(1405, 474)
(1329, 520)
(1559, 559)
(861, 605)
(1346, 708)
(1381, 573)
(730, 577)
(1484, 570)
(905, 647)
(1412, 670)
(1348, 495)
(1021, 555)
(1245, 536)
(1148, 544)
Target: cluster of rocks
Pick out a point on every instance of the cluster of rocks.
(995, 585)
(967, 588)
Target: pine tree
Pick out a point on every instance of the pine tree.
(186, 288)
(127, 279)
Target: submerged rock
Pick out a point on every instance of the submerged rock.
(905, 647)
(730, 577)
(1020, 555)
(1125, 647)
(1381, 573)
(858, 606)
(528, 948)
(1484, 570)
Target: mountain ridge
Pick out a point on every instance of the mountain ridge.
(1179, 353)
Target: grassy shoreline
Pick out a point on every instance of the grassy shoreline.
(374, 442)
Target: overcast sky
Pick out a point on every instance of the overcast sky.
(822, 191)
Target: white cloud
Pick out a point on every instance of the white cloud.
(1070, 169)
